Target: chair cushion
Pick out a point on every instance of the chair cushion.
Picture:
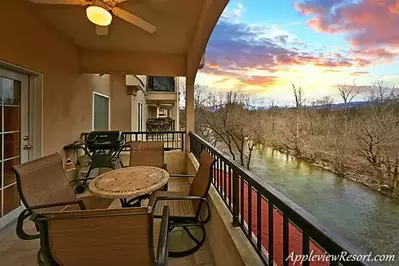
(178, 208)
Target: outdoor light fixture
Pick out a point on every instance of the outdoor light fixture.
(99, 16)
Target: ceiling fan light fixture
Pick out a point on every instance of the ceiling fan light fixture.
(99, 16)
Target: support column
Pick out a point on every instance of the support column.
(190, 115)
(120, 103)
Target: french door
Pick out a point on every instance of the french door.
(14, 139)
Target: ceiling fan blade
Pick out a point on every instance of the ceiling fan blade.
(61, 2)
(129, 17)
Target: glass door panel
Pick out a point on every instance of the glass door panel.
(11, 199)
(12, 105)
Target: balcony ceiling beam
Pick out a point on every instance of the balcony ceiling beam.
(155, 64)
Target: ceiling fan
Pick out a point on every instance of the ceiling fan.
(99, 13)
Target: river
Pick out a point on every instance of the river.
(366, 218)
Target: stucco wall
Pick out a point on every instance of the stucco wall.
(30, 43)
(26, 41)
(101, 83)
(139, 98)
(120, 103)
(134, 80)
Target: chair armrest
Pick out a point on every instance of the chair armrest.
(124, 146)
(57, 204)
(163, 240)
(152, 203)
(28, 212)
(180, 175)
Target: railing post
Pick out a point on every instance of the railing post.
(183, 135)
(235, 200)
(191, 142)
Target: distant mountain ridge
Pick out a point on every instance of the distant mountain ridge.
(332, 106)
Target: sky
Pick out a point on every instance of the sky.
(262, 47)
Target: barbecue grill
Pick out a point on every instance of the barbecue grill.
(103, 149)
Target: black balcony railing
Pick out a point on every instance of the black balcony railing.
(173, 140)
(160, 124)
(273, 224)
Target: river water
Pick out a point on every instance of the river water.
(366, 218)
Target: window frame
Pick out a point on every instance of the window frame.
(109, 108)
(140, 116)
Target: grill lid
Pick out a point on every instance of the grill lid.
(104, 140)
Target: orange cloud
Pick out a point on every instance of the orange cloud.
(334, 64)
(332, 71)
(359, 73)
(212, 66)
(362, 62)
(260, 80)
(379, 53)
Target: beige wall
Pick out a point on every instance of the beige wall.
(120, 104)
(140, 97)
(152, 111)
(134, 80)
(30, 43)
(101, 83)
(176, 162)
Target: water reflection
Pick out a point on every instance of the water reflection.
(365, 217)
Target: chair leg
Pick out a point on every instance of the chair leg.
(40, 260)
(199, 243)
(20, 224)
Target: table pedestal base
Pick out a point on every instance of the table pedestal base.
(135, 202)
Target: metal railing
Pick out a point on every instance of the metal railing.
(173, 140)
(274, 225)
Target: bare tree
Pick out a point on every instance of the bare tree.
(348, 93)
(325, 102)
(378, 138)
(297, 134)
(230, 117)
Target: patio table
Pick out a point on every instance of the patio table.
(129, 184)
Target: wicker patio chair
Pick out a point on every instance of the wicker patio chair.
(103, 237)
(186, 208)
(148, 153)
(42, 185)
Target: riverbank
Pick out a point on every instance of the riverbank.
(351, 173)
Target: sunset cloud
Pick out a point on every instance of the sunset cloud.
(260, 80)
(212, 66)
(367, 24)
(237, 49)
(359, 73)
(256, 50)
(379, 53)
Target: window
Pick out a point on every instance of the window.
(139, 117)
(100, 112)
(162, 113)
(166, 84)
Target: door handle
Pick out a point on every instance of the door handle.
(27, 147)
